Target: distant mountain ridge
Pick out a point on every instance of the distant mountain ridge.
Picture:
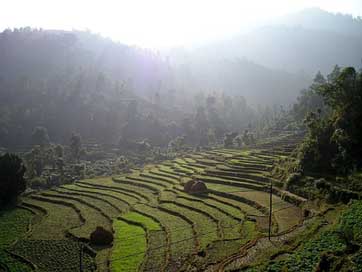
(318, 19)
(308, 41)
(61, 56)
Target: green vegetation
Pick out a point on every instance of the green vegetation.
(13, 225)
(54, 255)
(130, 245)
(336, 247)
(157, 225)
(12, 181)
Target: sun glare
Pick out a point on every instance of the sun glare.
(156, 23)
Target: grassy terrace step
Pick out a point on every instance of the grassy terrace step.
(239, 175)
(166, 182)
(142, 192)
(195, 156)
(120, 200)
(273, 153)
(198, 166)
(198, 208)
(58, 220)
(246, 162)
(223, 181)
(103, 206)
(207, 162)
(241, 206)
(192, 167)
(222, 154)
(189, 160)
(235, 213)
(178, 230)
(255, 158)
(237, 197)
(181, 169)
(156, 241)
(134, 181)
(285, 214)
(158, 172)
(113, 189)
(169, 170)
(247, 166)
(177, 168)
(224, 220)
(143, 181)
(262, 198)
(119, 207)
(287, 217)
(158, 176)
(228, 210)
(246, 170)
(127, 254)
(202, 223)
(91, 217)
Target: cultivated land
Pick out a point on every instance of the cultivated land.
(156, 225)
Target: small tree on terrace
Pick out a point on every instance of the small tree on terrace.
(59, 151)
(75, 146)
(229, 139)
(40, 136)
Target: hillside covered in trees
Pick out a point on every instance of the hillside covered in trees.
(79, 82)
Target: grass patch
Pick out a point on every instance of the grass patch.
(13, 225)
(129, 245)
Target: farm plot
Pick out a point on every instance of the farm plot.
(158, 226)
(13, 225)
(205, 227)
(285, 214)
(129, 247)
(154, 257)
(55, 255)
(181, 240)
(58, 220)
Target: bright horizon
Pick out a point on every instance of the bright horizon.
(159, 23)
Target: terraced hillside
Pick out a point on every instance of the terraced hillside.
(157, 225)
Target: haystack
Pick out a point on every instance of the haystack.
(195, 187)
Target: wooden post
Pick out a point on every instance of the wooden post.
(80, 257)
(270, 207)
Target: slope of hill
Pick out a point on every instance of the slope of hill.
(307, 41)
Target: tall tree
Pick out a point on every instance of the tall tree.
(12, 181)
(75, 146)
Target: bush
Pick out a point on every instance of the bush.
(12, 181)
(101, 237)
(322, 184)
(38, 182)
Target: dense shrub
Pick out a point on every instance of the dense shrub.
(333, 143)
(38, 182)
(101, 237)
(12, 181)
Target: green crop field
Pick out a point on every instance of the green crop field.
(157, 226)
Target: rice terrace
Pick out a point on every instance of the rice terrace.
(157, 225)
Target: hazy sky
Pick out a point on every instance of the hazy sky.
(153, 23)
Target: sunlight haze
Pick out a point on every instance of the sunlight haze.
(158, 23)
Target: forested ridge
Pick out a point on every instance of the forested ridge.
(80, 82)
